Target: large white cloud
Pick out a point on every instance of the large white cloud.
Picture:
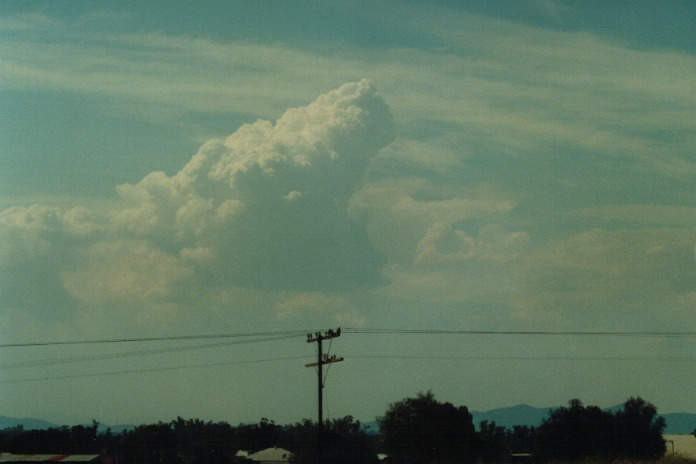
(265, 208)
(37, 244)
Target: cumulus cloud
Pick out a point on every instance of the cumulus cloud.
(271, 200)
(443, 244)
(406, 216)
(36, 245)
(265, 208)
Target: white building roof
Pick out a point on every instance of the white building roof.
(274, 454)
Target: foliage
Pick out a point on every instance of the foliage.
(575, 432)
(202, 442)
(340, 441)
(413, 431)
(193, 441)
(497, 443)
(63, 440)
(150, 444)
(423, 430)
(639, 430)
(255, 437)
(493, 442)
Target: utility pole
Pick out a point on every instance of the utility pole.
(321, 360)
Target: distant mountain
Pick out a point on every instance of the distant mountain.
(27, 423)
(680, 422)
(38, 424)
(523, 414)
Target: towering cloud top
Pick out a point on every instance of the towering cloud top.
(324, 146)
(267, 206)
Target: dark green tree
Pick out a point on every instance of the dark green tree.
(497, 443)
(150, 444)
(255, 437)
(577, 432)
(9, 434)
(200, 442)
(639, 430)
(493, 442)
(53, 440)
(422, 430)
(341, 441)
(83, 439)
(522, 439)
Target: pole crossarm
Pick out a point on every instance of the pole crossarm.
(326, 360)
(318, 336)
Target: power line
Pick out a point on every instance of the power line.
(108, 356)
(157, 369)
(520, 332)
(529, 358)
(289, 333)
(365, 331)
(354, 357)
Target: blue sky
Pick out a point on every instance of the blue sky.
(169, 168)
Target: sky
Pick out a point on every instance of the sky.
(493, 200)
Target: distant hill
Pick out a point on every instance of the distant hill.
(27, 423)
(680, 422)
(523, 414)
(38, 424)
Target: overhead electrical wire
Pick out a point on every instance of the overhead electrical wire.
(289, 333)
(281, 335)
(530, 358)
(401, 357)
(128, 354)
(361, 330)
(155, 369)
(519, 332)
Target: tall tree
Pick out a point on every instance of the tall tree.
(639, 430)
(151, 444)
(340, 441)
(422, 430)
(576, 432)
(493, 442)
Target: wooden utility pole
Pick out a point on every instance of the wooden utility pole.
(321, 360)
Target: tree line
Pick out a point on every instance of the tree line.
(416, 430)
